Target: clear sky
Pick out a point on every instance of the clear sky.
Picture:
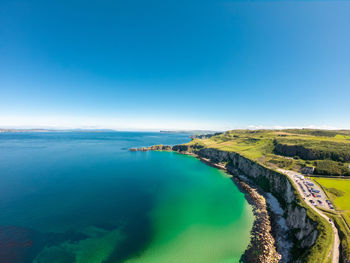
(174, 64)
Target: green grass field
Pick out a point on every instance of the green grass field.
(327, 151)
(338, 191)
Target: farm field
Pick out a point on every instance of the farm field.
(338, 191)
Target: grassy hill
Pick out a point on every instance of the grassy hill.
(328, 151)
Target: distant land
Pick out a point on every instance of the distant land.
(191, 132)
(55, 130)
(25, 130)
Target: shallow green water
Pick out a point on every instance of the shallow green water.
(85, 198)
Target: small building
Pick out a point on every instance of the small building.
(307, 170)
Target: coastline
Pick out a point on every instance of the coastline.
(262, 244)
(305, 236)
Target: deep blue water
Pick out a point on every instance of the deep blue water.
(83, 197)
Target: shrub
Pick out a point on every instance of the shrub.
(327, 167)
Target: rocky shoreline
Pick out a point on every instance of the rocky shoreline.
(159, 147)
(262, 246)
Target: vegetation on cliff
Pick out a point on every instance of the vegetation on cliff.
(260, 147)
(327, 151)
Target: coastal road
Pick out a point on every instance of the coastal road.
(301, 185)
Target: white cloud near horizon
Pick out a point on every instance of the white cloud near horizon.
(120, 123)
(130, 124)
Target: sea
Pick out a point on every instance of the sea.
(82, 197)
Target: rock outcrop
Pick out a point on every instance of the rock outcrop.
(296, 150)
(159, 147)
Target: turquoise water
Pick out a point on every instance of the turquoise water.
(83, 197)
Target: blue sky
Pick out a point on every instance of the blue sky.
(174, 64)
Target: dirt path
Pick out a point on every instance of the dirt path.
(304, 195)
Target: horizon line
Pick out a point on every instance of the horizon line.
(62, 129)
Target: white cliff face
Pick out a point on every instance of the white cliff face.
(301, 228)
(284, 244)
(305, 228)
(289, 192)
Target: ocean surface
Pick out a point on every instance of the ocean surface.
(83, 197)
